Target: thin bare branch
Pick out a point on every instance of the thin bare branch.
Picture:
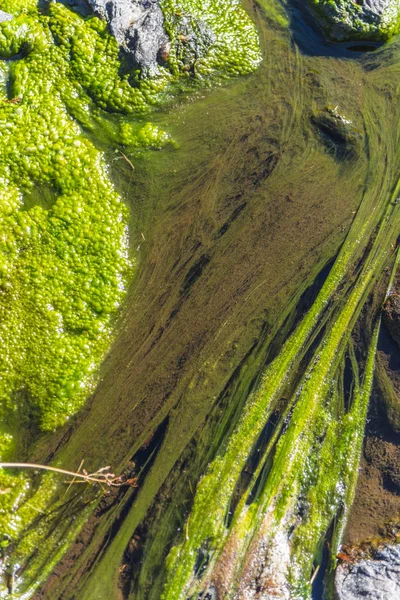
(102, 476)
(126, 159)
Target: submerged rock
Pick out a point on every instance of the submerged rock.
(361, 19)
(371, 579)
(138, 27)
(193, 38)
(338, 133)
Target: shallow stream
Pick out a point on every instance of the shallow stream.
(273, 214)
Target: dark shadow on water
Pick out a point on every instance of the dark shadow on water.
(321, 571)
(311, 40)
(79, 6)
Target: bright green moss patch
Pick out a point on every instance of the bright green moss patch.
(63, 268)
(64, 261)
(346, 19)
(226, 41)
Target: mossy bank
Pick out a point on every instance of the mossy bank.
(66, 94)
(365, 19)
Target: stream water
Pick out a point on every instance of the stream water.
(258, 238)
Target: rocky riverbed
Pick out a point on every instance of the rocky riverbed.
(376, 578)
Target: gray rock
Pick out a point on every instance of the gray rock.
(375, 7)
(359, 19)
(372, 579)
(5, 16)
(138, 27)
(370, 11)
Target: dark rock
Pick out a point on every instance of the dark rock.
(79, 6)
(193, 39)
(138, 27)
(337, 133)
(371, 579)
(209, 594)
(5, 16)
(391, 316)
(362, 19)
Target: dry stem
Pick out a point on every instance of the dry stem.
(126, 159)
(102, 476)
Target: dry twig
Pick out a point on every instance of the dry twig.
(126, 159)
(102, 476)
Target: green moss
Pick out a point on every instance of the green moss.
(345, 19)
(228, 43)
(64, 261)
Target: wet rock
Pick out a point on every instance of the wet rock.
(193, 39)
(79, 6)
(209, 594)
(391, 316)
(375, 11)
(362, 19)
(371, 579)
(5, 16)
(337, 133)
(138, 27)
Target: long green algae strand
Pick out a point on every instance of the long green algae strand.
(305, 471)
(214, 492)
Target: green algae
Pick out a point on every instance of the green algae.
(174, 500)
(320, 474)
(64, 257)
(345, 19)
(314, 451)
(320, 487)
(68, 280)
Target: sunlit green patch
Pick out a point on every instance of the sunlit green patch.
(231, 44)
(64, 259)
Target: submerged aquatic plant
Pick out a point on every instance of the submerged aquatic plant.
(309, 467)
(306, 475)
(65, 95)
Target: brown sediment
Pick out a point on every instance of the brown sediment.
(377, 504)
(375, 515)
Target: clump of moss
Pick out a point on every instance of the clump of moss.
(64, 260)
(346, 19)
(211, 36)
(64, 263)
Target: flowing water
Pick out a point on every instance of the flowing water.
(259, 236)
